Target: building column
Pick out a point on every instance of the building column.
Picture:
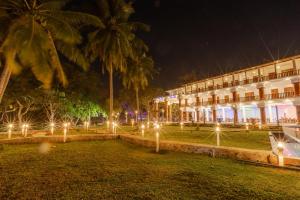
(181, 115)
(214, 113)
(235, 115)
(262, 110)
(261, 91)
(166, 110)
(198, 115)
(187, 116)
(170, 113)
(298, 113)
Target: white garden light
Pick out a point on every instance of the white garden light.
(52, 125)
(10, 127)
(280, 148)
(157, 127)
(181, 125)
(65, 131)
(143, 129)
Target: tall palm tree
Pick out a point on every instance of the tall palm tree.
(113, 44)
(137, 75)
(32, 35)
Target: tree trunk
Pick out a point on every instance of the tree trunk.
(137, 103)
(5, 76)
(111, 96)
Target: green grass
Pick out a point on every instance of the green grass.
(116, 170)
(232, 137)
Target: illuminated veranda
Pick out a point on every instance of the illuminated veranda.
(265, 94)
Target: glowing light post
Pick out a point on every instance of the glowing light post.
(247, 127)
(280, 148)
(132, 122)
(181, 125)
(86, 125)
(259, 126)
(23, 129)
(218, 130)
(126, 117)
(65, 131)
(136, 116)
(156, 127)
(114, 127)
(148, 125)
(143, 130)
(52, 128)
(10, 127)
(26, 129)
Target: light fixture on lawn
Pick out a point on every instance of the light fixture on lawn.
(280, 149)
(52, 125)
(10, 127)
(156, 128)
(181, 125)
(218, 130)
(65, 125)
(143, 129)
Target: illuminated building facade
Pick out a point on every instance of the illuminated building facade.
(266, 94)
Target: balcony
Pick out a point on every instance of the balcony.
(256, 79)
(280, 95)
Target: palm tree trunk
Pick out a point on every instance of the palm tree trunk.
(5, 76)
(111, 96)
(137, 102)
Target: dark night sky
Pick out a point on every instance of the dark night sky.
(211, 36)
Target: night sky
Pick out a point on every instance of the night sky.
(213, 36)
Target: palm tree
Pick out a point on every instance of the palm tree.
(113, 44)
(34, 32)
(137, 75)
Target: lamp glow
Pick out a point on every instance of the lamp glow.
(132, 122)
(143, 129)
(280, 149)
(10, 127)
(52, 125)
(157, 127)
(65, 131)
(218, 130)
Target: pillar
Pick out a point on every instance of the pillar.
(261, 91)
(297, 88)
(235, 115)
(187, 116)
(170, 113)
(198, 115)
(214, 113)
(263, 115)
(166, 110)
(181, 115)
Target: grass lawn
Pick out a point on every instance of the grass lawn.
(232, 137)
(116, 170)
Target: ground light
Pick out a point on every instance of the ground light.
(136, 115)
(259, 126)
(26, 126)
(86, 125)
(52, 128)
(218, 130)
(181, 125)
(23, 129)
(280, 148)
(132, 122)
(148, 125)
(143, 130)
(65, 131)
(156, 128)
(10, 127)
(126, 117)
(114, 126)
(247, 127)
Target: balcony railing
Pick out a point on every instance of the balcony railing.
(255, 79)
(280, 95)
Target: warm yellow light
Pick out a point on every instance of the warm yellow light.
(10, 125)
(280, 145)
(218, 129)
(143, 126)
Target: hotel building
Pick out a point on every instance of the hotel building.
(267, 94)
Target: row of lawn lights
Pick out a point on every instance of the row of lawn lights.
(25, 127)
